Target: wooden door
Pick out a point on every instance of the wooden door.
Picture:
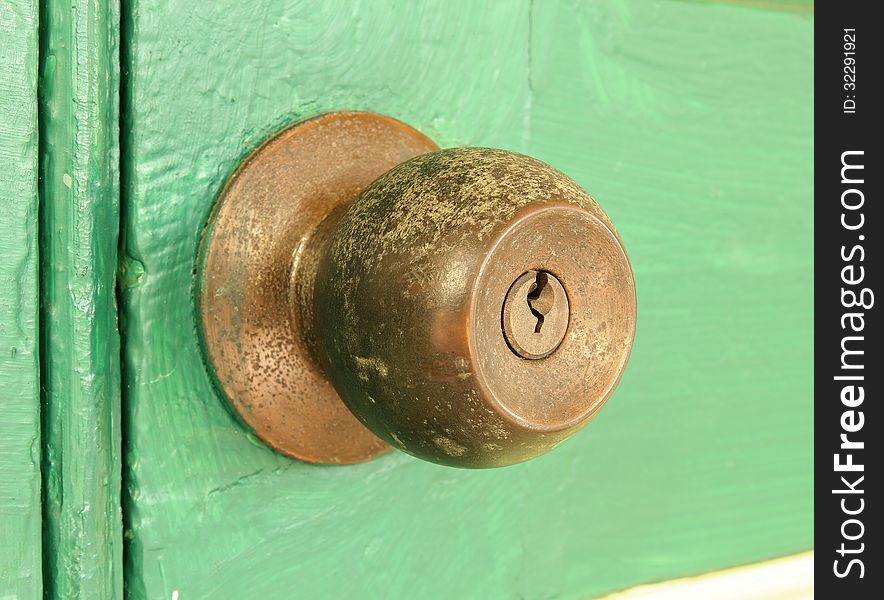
(690, 123)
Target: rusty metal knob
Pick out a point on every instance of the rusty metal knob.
(472, 307)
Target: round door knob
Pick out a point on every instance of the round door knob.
(359, 287)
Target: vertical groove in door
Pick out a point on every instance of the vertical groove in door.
(128, 272)
(79, 225)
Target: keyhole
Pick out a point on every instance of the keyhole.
(535, 314)
(540, 299)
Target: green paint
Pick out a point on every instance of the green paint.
(692, 125)
(20, 569)
(785, 5)
(80, 345)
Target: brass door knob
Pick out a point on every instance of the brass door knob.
(472, 307)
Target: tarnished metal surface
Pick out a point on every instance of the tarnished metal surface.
(409, 301)
(251, 257)
(472, 307)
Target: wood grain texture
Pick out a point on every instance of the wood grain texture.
(20, 569)
(690, 123)
(80, 342)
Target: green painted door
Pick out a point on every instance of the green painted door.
(690, 122)
(20, 514)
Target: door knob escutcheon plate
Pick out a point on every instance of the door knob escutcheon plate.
(254, 253)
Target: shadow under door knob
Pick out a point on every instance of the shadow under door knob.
(360, 288)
